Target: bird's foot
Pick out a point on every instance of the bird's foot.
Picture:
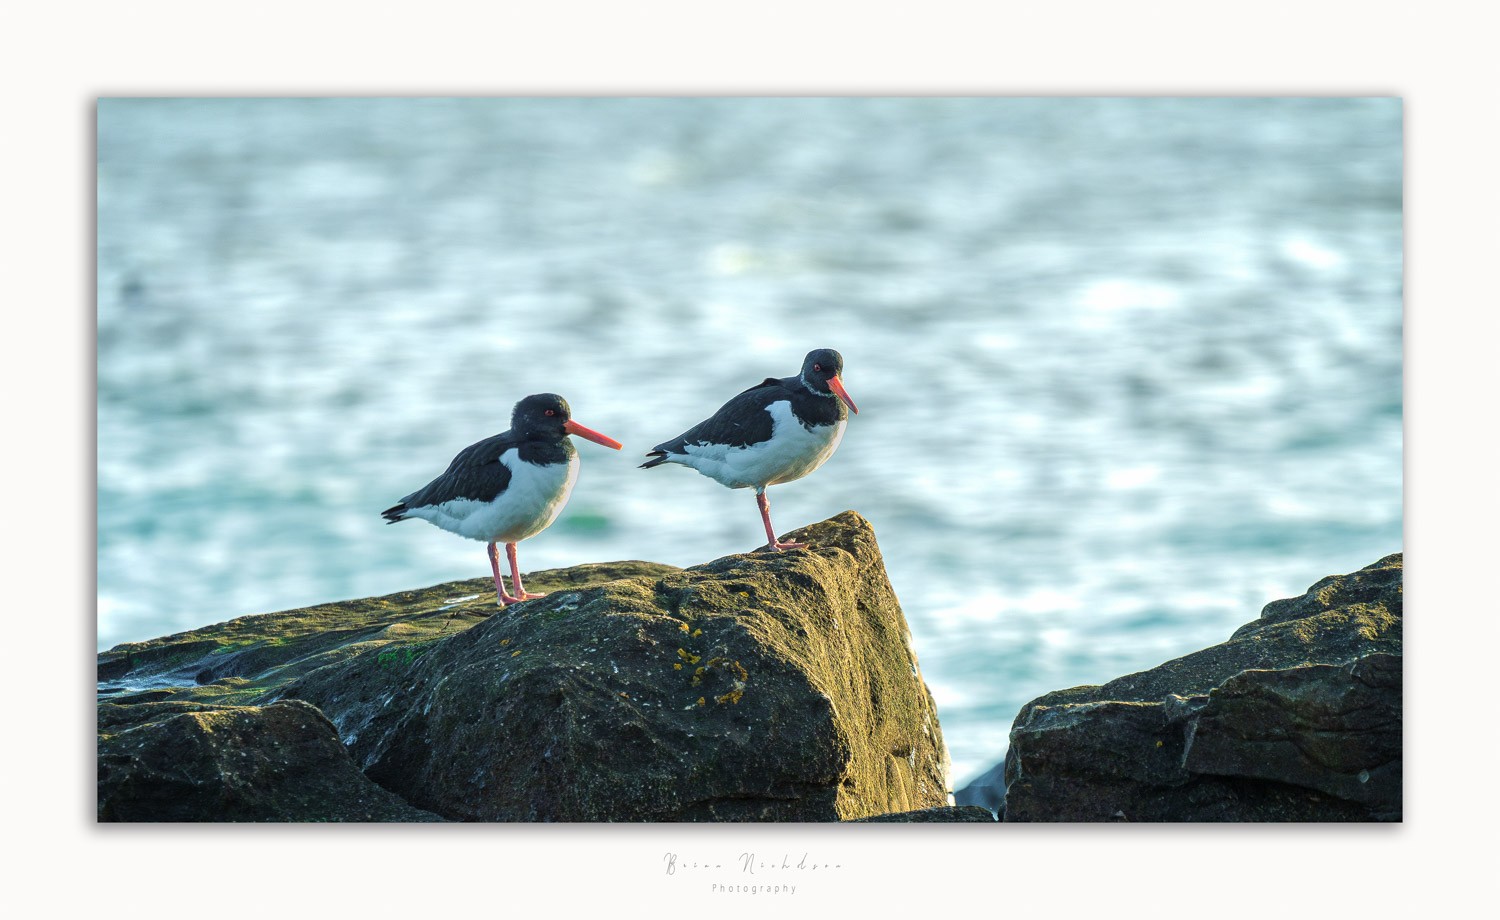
(778, 545)
(506, 599)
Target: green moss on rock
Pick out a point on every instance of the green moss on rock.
(761, 686)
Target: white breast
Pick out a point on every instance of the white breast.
(528, 506)
(792, 452)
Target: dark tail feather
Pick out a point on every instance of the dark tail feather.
(658, 457)
(395, 513)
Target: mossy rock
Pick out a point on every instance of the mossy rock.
(761, 686)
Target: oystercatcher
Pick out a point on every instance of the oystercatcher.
(776, 431)
(507, 487)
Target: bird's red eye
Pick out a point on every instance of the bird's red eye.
(551, 412)
(817, 367)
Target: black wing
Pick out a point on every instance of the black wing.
(476, 473)
(739, 423)
(768, 382)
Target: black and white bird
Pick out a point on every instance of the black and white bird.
(776, 431)
(507, 487)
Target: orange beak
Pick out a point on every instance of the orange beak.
(572, 427)
(838, 387)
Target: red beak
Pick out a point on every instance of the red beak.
(572, 427)
(838, 387)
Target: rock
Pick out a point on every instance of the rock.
(764, 686)
(275, 648)
(1333, 728)
(1296, 718)
(947, 814)
(186, 762)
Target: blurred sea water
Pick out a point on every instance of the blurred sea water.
(1127, 368)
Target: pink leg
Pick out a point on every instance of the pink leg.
(501, 597)
(515, 575)
(765, 514)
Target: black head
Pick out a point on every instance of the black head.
(542, 416)
(547, 417)
(821, 369)
(821, 364)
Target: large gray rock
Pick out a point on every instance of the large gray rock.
(1296, 718)
(763, 686)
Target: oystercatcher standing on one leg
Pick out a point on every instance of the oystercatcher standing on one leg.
(776, 431)
(507, 487)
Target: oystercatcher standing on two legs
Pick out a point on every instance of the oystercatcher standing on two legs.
(776, 431)
(507, 487)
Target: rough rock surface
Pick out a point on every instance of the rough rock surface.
(193, 762)
(763, 686)
(1296, 718)
(948, 814)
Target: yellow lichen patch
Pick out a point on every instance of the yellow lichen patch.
(677, 666)
(515, 653)
(505, 642)
(682, 626)
(702, 701)
(697, 633)
(688, 656)
(624, 694)
(732, 696)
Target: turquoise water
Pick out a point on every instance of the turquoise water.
(1127, 369)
